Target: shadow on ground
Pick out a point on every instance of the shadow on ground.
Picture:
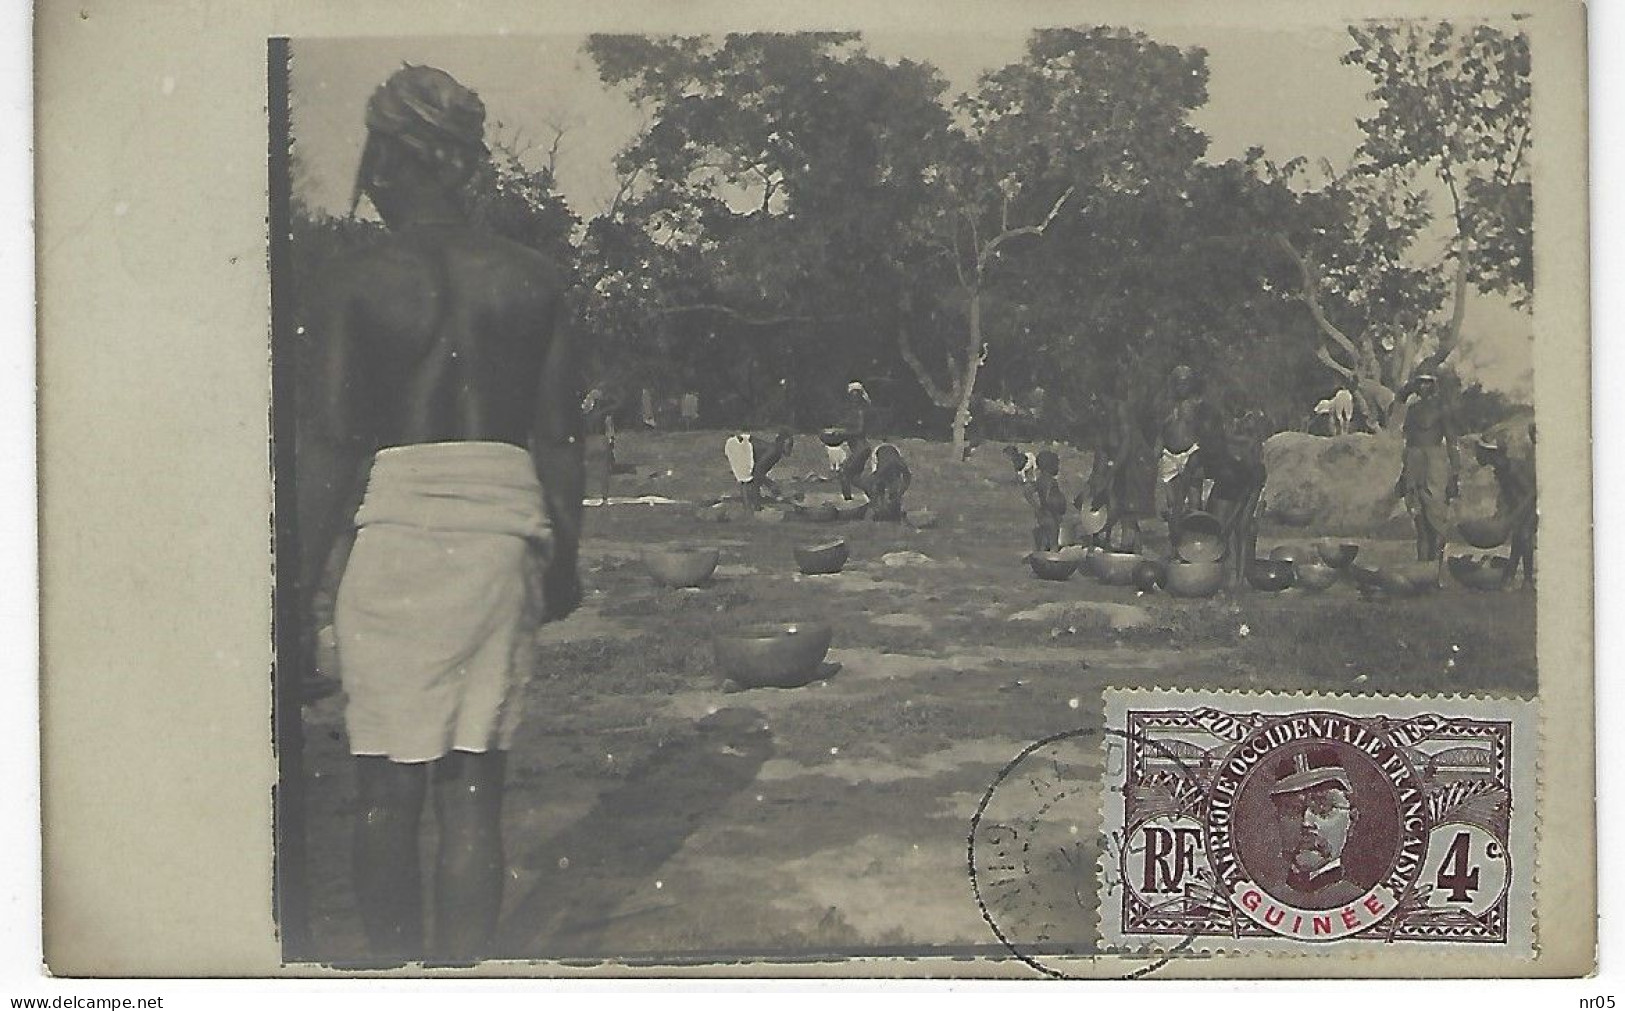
(583, 877)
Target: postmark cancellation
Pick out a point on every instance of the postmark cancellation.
(1237, 821)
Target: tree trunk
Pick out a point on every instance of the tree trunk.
(965, 382)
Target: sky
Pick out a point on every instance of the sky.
(1285, 91)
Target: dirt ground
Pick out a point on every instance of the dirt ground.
(652, 813)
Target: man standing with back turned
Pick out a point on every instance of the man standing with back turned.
(442, 363)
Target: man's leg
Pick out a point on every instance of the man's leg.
(388, 881)
(468, 873)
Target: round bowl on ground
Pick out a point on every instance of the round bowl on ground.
(1411, 578)
(1484, 532)
(1338, 555)
(832, 436)
(1270, 575)
(1150, 575)
(1291, 553)
(1195, 579)
(1052, 565)
(680, 566)
(819, 512)
(1116, 568)
(1366, 577)
(1200, 538)
(1313, 575)
(855, 509)
(774, 655)
(822, 559)
(1475, 573)
(1090, 566)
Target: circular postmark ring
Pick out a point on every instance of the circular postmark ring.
(1030, 953)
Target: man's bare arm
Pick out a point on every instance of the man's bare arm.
(557, 447)
(335, 445)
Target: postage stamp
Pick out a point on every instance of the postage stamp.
(1252, 821)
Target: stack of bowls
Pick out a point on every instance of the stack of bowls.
(1200, 538)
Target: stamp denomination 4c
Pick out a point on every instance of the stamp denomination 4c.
(1285, 822)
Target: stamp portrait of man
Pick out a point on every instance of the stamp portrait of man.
(1315, 818)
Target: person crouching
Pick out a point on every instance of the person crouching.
(887, 484)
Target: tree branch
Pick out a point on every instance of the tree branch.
(1458, 312)
(553, 148)
(1327, 360)
(1311, 298)
(905, 347)
(994, 243)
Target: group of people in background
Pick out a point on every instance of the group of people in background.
(1198, 459)
(857, 465)
(1193, 459)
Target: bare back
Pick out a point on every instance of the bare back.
(446, 331)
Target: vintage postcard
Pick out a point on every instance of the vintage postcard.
(1046, 492)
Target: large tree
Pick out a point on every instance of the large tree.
(1384, 277)
(1086, 120)
(778, 170)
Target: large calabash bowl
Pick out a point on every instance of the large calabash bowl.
(1314, 575)
(1336, 555)
(1484, 532)
(822, 559)
(1200, 538)
(773, 655)
(1475, 573)
(1195, 579)
(1052, 565)
(1116, 568)
(680, 566)
(1270, 575)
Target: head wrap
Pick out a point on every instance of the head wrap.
(426, 109)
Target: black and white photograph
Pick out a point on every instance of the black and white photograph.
(707, 465)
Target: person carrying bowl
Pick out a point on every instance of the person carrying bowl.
(857, 422)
